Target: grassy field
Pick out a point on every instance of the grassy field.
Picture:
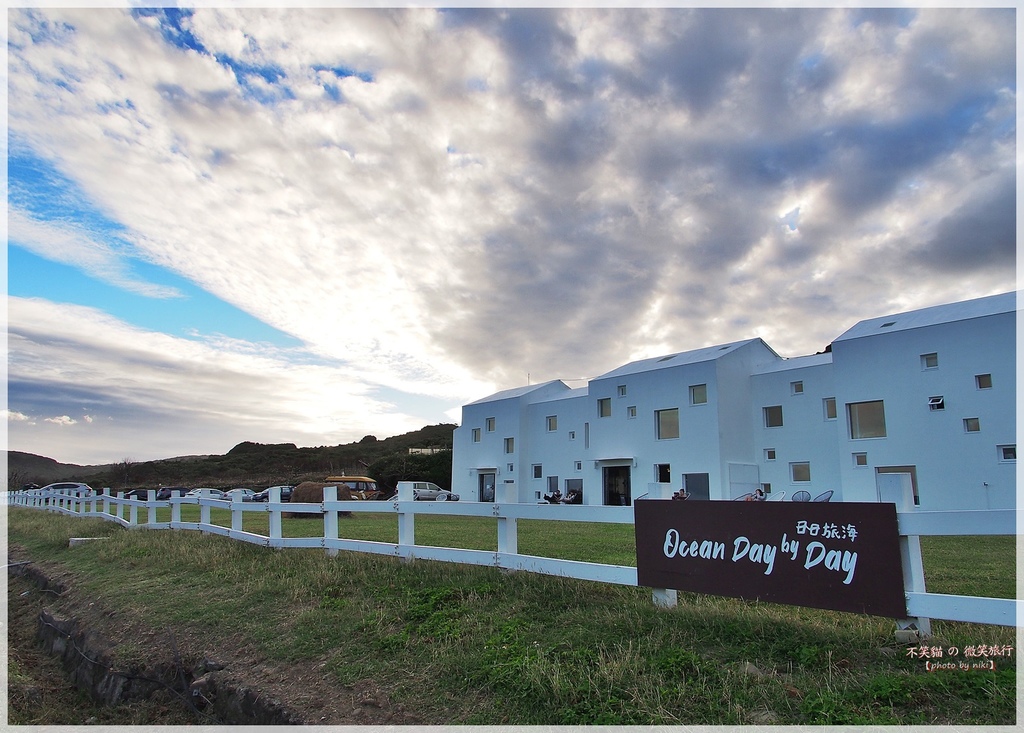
(471, 645)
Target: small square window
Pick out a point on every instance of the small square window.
(930, 361)
(579, 465)
(936, 403)
(698, 394)
(604, 407)
(769, 454)
(490, 425)
(983, 381)
(622, 390)
(796, 387)
(860, 460)
(1007, 453)
(766, 488)
(476, 435)
(972, 425)
(552, 423)
(829, 406)
(800, 472)
(773, 416)
(511, 467)
(631, 411)
(538, 470)
(572, 435)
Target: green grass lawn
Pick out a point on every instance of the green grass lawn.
(476, 645)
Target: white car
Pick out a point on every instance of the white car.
(426, 491)
(207, 493)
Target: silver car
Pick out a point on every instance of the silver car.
(426, 491)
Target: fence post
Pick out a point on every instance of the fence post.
(898, 489)
(175, 511)
(662, 597)
(273, 506)
(151, 509)
(106, 500)
(508, 527)
(406, 520)
(236, 512)
(133, 514)
(330, 520)
(204, 513)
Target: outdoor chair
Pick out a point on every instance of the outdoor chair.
(825, 496)
(801, 496)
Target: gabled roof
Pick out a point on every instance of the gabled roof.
(696, 356)
(515, 392)
(796, 362)
(933, 316)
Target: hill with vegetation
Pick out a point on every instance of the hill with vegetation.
(387, 460)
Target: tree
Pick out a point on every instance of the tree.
(125, 469)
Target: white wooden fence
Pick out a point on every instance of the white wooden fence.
(921, 605)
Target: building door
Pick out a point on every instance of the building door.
(697, 485)
(487, 486)
(616, 486)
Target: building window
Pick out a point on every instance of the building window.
(800, 472)
(510, 445)
(476, 435)
(867, 419)
(769, 454)
(511, 468)
(860, 460)
(667, 423)
(773, 416)
(972, 425)
(983, 381)
(930, 361)
(766, 488)
(572, 435)
(936, 403)
(604, 407)
(796, 387)
(490, 424)
(622, 390)
(829, 406)
(631, 412)
(552, 421)
(538, 470)
(663, 473)
(579, 465)
(1007, 453)
(698, 394)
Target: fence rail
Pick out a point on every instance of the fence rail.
(921, 605)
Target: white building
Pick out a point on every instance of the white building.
(929, 393)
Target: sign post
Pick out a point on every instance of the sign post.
(843, 556)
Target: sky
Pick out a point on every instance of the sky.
(311, 225)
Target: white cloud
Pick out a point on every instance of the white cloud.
(443, 201)
(63, 420)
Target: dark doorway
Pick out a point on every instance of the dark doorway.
(616, 486)
(487, 487)
(697, 485)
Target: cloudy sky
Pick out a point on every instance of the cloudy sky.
(308, 226)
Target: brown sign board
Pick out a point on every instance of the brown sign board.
(843, 556)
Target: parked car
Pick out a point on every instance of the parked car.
(362, 487)
(67, 488)
(286, 493)
(206, 493)
(426, 491)
(168, 491)
(246, 494)
(137, 494)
